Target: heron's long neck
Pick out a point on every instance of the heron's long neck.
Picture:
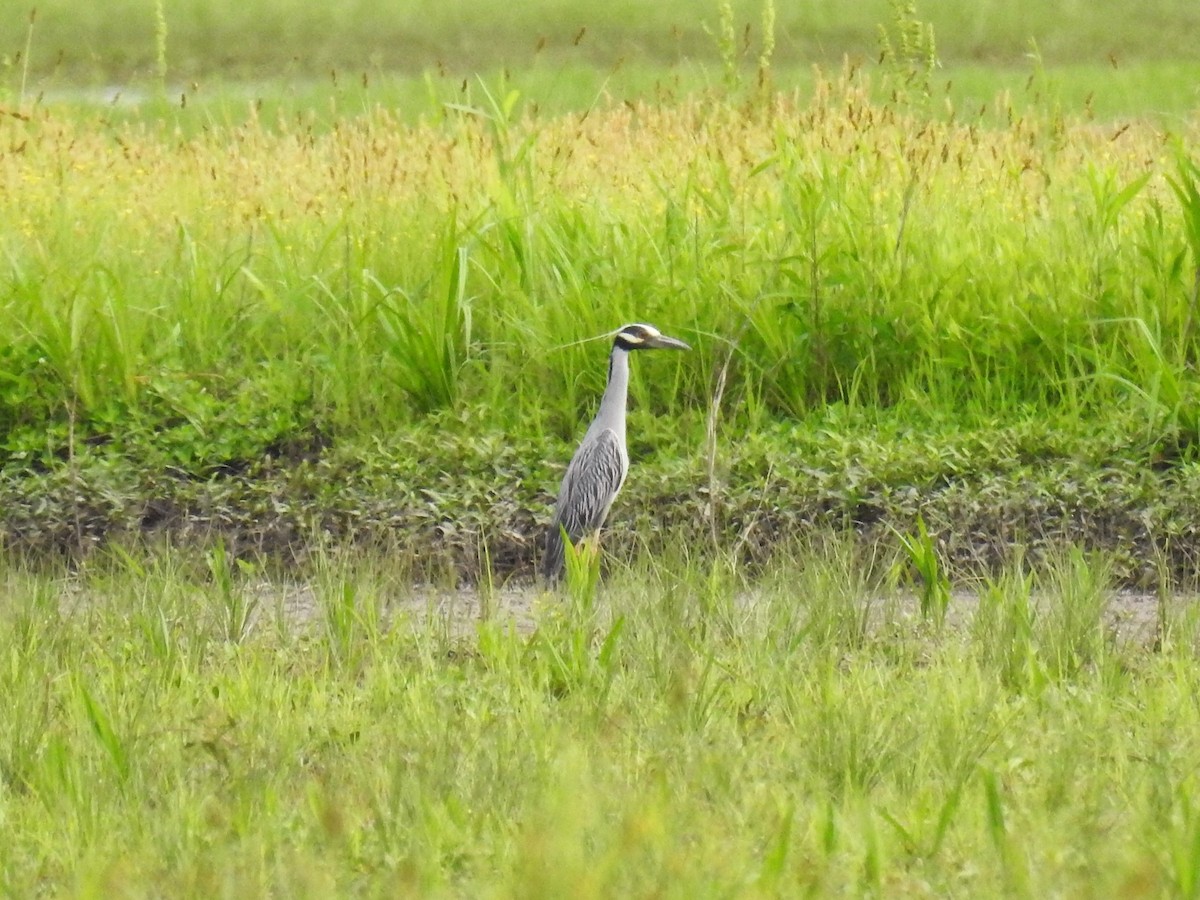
(612, 404)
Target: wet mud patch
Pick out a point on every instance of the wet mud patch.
(300, 610)
(470, 507)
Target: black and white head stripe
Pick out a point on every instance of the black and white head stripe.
(636, 336)
(645, 337)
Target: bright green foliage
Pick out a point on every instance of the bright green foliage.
(353, 278)
(684, 737)
(926, 573)
(1186, 187)
(208, 294)
(581, 569)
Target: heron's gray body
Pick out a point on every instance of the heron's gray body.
(597, 470)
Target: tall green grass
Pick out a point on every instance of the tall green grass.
(357, 277)
(683, 737)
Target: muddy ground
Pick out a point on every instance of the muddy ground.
(298, 610)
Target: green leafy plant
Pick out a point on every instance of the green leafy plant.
(160, 46)
(1005, 628)
(1185, 184)
(731, 49)
(908, 51)
(925, 572)
(1073, 635)
(235, 607)
(581, 570)
(113, 744)
(428, 341)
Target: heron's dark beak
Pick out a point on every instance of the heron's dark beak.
(662, 342)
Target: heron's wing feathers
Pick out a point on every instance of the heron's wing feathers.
(590, 485)
(593, 479)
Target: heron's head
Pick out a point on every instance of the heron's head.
(646, 337)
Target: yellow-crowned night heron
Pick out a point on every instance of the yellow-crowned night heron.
(598, 468)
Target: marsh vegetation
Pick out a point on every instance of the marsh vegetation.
(322, 333)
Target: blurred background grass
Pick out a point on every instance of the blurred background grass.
(1118, 58)
(261, 38)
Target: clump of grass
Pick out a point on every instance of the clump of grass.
(581, 570)
(236, 606)
(924, 572)
(1185, 184)
(1037, 628)
(828, 603)
(1004, 628)
(1075, 633)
